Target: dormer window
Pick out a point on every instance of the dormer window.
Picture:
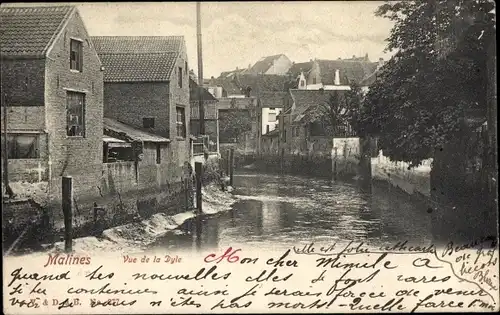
(302, 83)
(76, 55)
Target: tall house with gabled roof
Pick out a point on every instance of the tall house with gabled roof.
(277, 64)
(52, 86)
(146, 86)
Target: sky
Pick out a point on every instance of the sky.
(237, 34)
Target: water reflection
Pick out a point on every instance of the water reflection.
(285, 210)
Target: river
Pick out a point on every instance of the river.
(275, 211)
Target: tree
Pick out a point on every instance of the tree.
(341, 109)
(233, 123)
(436, 77)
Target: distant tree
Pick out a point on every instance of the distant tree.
(341, 109)
(437, 75)
(233, 123)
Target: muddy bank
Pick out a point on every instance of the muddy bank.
(137, 236)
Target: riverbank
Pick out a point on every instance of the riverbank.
(137, 236)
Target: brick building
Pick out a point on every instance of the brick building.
(52, 88)
(146, 86)
(211, 117)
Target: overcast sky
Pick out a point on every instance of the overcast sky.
(236, 34)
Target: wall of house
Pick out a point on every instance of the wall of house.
(131, 102)
(210, 129)
(23, 82)
(414, 180)
(280, 66)
(30, 120)
(31, 170)
(180, 97)
(266, 111)
(122, 177)
(270, 145)
(79, 157)
(23, 86)
(314, 76)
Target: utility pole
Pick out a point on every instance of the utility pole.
(200, 69)
(5, 160)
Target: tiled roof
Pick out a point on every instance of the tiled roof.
(272, 99)
(264, 64)
(296, 68)
(350, 71)
(138, 67)
(30, 31)
(229, 86)
(306, 100)
(262, 83)
(230, 74)
(193, 92)
(131, 132)
(137, 44)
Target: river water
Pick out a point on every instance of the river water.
(276, 211)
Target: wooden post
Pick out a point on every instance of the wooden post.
(186, 192)
(334, 166)
(67, 198)
(198, 166)
(231, 167)
(228, 162)
(198, 170)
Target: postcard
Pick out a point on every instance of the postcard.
(249, 157)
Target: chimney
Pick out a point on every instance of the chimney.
(337, 77)
(366, 57)
(353, 56)
(380, 62)
(237, 69)
(310, 60)
(339, 58)
(249, 66)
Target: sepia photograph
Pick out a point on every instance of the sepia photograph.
(352, 140)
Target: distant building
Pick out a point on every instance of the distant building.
(271, 104)
(211, 117)
(277, 64)
(146, 86)
(298, 73)
(52, 85)
(338, 74)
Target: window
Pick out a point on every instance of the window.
(302, 83)
(181, 122)
(186, 67)
(179, 73)
(23, 146)
(267, 128)
(76, 55)
(314, 80)
(272, 108)
(75, 110)
(158, 153)
(148, 122)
